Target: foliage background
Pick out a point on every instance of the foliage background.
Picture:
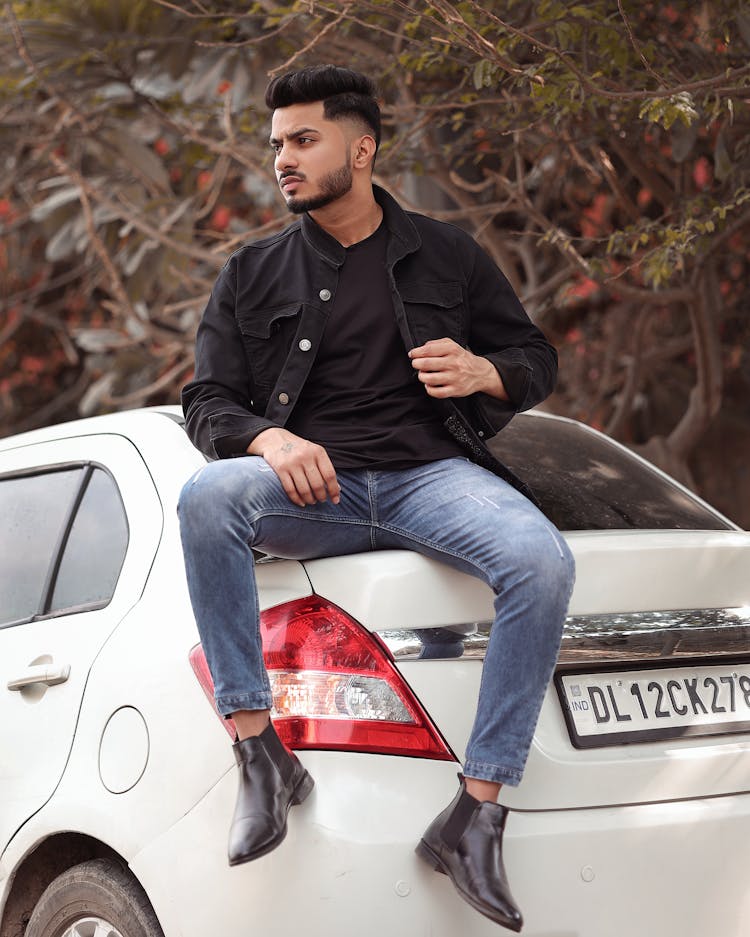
(599, 150)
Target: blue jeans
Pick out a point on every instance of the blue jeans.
(451, 510)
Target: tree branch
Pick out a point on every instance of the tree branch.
(705, 397)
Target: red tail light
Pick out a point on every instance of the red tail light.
(334, 686)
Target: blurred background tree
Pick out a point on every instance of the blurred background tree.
(599, 150)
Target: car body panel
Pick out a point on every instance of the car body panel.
(610, 872)
(627, 571)
(37, 723)
(654, 570)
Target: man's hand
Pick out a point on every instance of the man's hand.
(448, 370)
(305, 471)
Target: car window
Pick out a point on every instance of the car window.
(63, 539)
(95, 547)
(585, 482)
(34, 511)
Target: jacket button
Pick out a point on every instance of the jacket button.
(284, 399)
(325, 295)
(305, 344)
(481, 434)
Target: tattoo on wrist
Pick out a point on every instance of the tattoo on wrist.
(287, 447)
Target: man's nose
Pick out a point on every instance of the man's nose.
(284, 159)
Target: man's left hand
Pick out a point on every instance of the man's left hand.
(449, 370)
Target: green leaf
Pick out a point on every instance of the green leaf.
(666, 111)
(484, 73)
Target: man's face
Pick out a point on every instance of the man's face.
(313, 158)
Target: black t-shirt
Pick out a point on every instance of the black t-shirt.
(362, 400)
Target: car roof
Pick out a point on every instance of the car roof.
(125, 422)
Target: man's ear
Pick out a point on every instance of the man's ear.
(364, 151)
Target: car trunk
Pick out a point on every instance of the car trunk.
(665, 610)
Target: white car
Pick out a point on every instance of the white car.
(117, 778)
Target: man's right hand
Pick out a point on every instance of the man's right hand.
(303, 467)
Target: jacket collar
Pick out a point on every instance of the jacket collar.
(403, 236)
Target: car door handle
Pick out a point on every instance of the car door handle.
(41, 673)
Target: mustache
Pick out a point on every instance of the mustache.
(286, 175)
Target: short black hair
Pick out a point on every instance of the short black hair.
(344, 93)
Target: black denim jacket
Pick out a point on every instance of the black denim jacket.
(265, 319)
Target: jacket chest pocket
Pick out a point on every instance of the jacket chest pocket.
(435, 310)
(267, 336)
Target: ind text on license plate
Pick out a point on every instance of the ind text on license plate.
(613, 707)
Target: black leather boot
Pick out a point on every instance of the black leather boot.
(465, 842)
(271, 780)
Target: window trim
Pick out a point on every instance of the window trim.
(54, 567)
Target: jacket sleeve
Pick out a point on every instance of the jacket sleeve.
(218, 402)
(501, 331)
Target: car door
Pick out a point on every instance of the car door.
(81, 525)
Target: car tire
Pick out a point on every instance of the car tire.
(98, 898)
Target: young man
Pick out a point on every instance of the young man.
(364, 355)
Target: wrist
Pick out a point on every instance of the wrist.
(263, 440)
(492, 383)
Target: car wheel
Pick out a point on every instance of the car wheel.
(94, 899)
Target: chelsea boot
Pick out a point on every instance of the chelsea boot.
(465, 843)
(271, 780)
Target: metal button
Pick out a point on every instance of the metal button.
(305, 344)
(481, 434)
(284, 399)
(325, 295)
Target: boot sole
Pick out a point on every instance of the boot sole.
(301, 792)
(428, 855)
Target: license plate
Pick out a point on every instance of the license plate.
(615, 707)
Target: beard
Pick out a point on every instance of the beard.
(333, 185)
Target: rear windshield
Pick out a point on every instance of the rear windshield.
(584, 482)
